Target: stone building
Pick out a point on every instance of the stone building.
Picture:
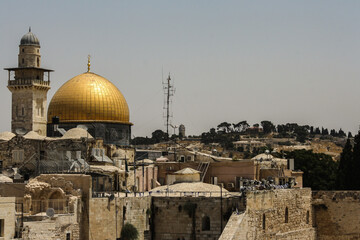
(275, 214)
(182, 131)
(231, 174)
(94, 103)
(29, 88)
(7, 218)
(87, 100)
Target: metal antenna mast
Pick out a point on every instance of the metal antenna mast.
(169, 91)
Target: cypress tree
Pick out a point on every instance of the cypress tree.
(355, 180)
(343, 177)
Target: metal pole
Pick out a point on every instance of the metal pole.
(116, 211)
(221, 211)
(126, 173)
(134, 179)
(167, 106)
(143, 177)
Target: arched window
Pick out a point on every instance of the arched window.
(23, 61)
(307, 217)
(263, 222)
(206, 223)
(286, 215)
(22, 50)
(38, 62)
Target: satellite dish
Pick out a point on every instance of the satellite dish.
(82, 126)
(50, 212)
(20, 131)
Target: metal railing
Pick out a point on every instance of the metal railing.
(32, 207)
(28, 81)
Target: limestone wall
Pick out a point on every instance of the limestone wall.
(276, 214)
(12, 189)
(72, 185)
(107, 217)
(52, 229)
(7, 215)
(337, 214)
(172, 217)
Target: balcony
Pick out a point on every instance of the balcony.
(28, 82)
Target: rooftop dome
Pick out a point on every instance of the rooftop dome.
(89, 97)
(76, 133)
(29, 39)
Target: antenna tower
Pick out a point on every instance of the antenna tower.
(169, 91)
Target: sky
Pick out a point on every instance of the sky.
(282, 61)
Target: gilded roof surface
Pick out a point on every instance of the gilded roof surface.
(89, 97)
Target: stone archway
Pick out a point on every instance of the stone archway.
(57, 201)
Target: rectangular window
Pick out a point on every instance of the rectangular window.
(18, 155)
(2, 221)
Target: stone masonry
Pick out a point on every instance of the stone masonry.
(337, 214)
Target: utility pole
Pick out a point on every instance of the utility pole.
(126, 175)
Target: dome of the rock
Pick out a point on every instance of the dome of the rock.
(94, 102)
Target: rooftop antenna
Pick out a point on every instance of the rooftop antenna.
(169, 91)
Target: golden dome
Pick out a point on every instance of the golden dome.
(89, 97)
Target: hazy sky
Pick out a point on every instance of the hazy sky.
(283, 61)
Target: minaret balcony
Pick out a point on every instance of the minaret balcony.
(28, 82)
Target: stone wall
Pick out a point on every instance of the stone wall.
(107, 217)
(337, 214)
(71, 185)
(56, 228)
(144, 182)
(172, 217)
(12, 189)
(7, 215)
(225, 172)
(274, 214)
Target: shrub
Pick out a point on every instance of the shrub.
(129, 232)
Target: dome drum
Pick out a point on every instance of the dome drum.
(111, 133)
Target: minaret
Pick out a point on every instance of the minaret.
(29, 84)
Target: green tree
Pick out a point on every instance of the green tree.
(320, 171)
(301, 133)
(129, 232)
(341, 133)
(142, 141)
(267, 126)
(355, 166)
(159, 136)
(224, 127)
(344, 170)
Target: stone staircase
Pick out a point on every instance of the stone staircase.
(202, 168)
(231, 230)
(39, 230)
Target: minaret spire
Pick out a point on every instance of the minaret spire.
(88, 63)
